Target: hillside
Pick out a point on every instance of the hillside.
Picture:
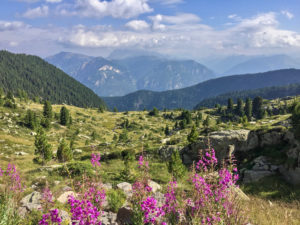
(41, 79)
(189, 97)
(117, 77)
(266, 93)
(121, 138)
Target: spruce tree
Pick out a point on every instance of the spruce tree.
(175, 165)
(64, 153)
(248, 108)
(206, 122)
(47, 110)
(240, 107)
(257, 107)
(30, 119)
(296, 119)
(167, 130)
(42, 148)
(64, 116)
(193, 136)
(230, 105)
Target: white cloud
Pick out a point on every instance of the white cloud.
(169, 2)
(137, 25)
(11, 25)
(114, 8)
(288, 14)
(41, 11)
(54, 1)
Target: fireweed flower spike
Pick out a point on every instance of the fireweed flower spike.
(51, 218)
(95, 159)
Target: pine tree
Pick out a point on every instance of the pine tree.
(64, 153)
(115, 109)
(42, 148)
(167, 130)
(64, 116)
(154, 112)
(46, 123)
(193, 136)
(175, 165)
(47, 110)
(248, 108)
(30, 120)
(206, 122)
(296, 119)
(257, 107)
(240, 107)
(230, 105)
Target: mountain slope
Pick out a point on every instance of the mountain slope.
(189, 97)
(266, 93)
(116, 77)
(69, 62)
(39, 78)
(263, 64)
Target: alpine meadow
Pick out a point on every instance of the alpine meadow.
(149, 112)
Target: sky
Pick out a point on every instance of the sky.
(193, 29)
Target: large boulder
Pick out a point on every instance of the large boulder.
(63, 198)
(166, 152)
(108, 218)
(155, 186)
(251, 176)
(126, 187)
(32, 201)
(124, 216)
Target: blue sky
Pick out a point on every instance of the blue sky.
(180, 28)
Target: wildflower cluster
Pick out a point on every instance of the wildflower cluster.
(207, 161)
(12, 179)
(95, 159)
(151, 211)
(51, 218)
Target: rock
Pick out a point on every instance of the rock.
(254, 176)
(165, 152)
(56, 182)
(186, 159)
(32, 201)
(124, 216)
(164, 141)
(33, 133)
(291, 175)
(239, 193)
(50, 168)
(155, 186)
(109, 218)
(22, 211)
(107, 186)
(65, 217)
(63, 198)
(66, 188)
(126, 187)
(160, 197)
(77, 151)
(21, 153)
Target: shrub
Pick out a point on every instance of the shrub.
(64, 153)
(74, 169)
(116, 199)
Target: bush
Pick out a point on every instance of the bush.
(64, 153)
(74, 169)
(116, 199)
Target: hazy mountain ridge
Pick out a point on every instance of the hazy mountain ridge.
(189, 97)
(131, 74)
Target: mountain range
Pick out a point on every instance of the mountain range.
(41, 79)
(189, 97)
(116, 77)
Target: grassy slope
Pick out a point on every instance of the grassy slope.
(14, 138)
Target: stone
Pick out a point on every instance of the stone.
(32, 201)
(109, 218)
(155, 186)
(164, 141)
(165, 152)
(124, 216)
(126, 187)
(107, 186)
(291, 175)
(77, 151)
(21, 153)
(63, 198)
(65, 217)
(254, 176)
(239, 193)
(33, 133)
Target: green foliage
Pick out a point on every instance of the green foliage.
(42, 148)
(248, 108)
(175, 166)
(193, 135)
(47, 110)
(230, 105)
(75, 169)
(167, 130)
(240, 107)
(123, 137)
(206, 122)
(296, 119)
(116, 199)
(8, 211)
(64, 153)
(154, 112)
(64, 116)
(30, 120)
(46, 123)
(257, 107)
(33, 217)
(39, 78)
